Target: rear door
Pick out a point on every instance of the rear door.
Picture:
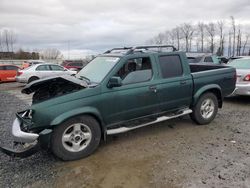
(175, 86)
(43, 71)
(57, 70)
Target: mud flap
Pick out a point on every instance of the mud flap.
(28, 151)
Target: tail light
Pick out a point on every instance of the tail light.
(247, 78)
(19, 73)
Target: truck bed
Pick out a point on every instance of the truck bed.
(223, 76)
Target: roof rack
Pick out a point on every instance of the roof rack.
(127, 49)
(159, 47)
(130, 50)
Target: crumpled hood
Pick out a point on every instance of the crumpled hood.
(67, 79)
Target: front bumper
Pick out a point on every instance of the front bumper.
(21, 136)
(241, 89)
(31, 142)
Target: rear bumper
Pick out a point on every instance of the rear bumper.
(21, 79)
(241, 89)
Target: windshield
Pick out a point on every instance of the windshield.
(97, 69)
(240, 63)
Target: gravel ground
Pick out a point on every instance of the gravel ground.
(172, 154)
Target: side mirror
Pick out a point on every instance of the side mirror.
(114, 82)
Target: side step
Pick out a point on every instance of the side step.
(159, 119)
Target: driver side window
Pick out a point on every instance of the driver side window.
(135, 71)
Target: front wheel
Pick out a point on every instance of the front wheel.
(205, 109)
(76, 138)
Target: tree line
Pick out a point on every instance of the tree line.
(220, 37)
(8, 41)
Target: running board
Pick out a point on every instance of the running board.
(159, 119)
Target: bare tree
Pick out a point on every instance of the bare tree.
(201, 30)
(6, 40)
(159, 39)
(234, 34)
(12, 40)
(211, 30)
(245, 43)
(221, 25)
(1, 42)
(229, 44)
(187, 31)
(176, 33)
(50, 53)
(238, 46)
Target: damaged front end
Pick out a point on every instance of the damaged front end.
(28, 140)
(48, 88)
(25, 135)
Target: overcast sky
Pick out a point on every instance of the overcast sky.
(96, 25)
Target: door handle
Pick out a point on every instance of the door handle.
(153, 88)
(183, 82)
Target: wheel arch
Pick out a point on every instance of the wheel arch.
(90, 111)
(32, 77)
(213, 88)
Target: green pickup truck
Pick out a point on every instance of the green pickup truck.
(120, 90)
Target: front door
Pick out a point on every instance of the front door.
(136, 97)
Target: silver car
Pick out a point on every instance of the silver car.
(243, 76)
(39, 71)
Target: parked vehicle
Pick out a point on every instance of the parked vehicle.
(39, 71)
(205, 59)
(242, 66)
(235, 57)
(29, 63)
(74, 65)
(115, 93)
(8, 73)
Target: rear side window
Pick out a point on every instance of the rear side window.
(56, 68)
(11, 68)
(2, 68)
(43, 68)
(170, 66)
(76, 64)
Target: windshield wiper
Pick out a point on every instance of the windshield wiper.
(85, 79)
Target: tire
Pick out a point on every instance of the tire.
(32, 79)
(82, 135)
(205, 109)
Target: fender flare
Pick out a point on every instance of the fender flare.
(214, 88)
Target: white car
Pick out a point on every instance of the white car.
(39, 71)
(242, 66)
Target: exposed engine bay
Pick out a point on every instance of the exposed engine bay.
(48, 88)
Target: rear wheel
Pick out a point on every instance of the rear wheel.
(33, 78)
(76, 138)
(205, 109)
